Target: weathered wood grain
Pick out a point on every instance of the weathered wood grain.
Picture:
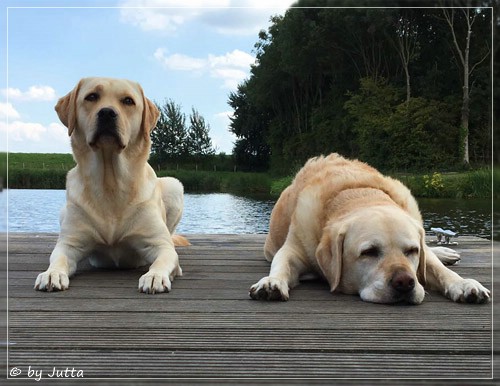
(208, 327)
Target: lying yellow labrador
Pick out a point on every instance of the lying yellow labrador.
(361, 231)
(117, 212)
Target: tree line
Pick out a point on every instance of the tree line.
(401, 88)
(177, 138)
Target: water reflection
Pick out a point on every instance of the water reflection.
(467, 217)
(224, 213)
(38, 211)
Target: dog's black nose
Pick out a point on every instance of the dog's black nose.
(107, 113)
(402, 282)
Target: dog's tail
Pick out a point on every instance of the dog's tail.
(180, 241)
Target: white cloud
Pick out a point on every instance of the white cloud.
(231, 77)
(232, 67)
(242, 17)
(8, 111)
(20, 131)
(235, 58)
(30, 136)
(57, 130)
(34, 93)
(163, 15)
(178, 61)
(151, 20)
(224, 115)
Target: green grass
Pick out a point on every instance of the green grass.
(48, 171)
(40, 161)
(237, 182)
(470, 184)
(277, 186)
(36, 171)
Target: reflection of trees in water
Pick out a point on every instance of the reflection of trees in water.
(467, 217)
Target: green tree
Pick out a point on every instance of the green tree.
(398, 134)
(169, 137)
(311, 61)
(249, 123)
(199, 143)
(466, 18)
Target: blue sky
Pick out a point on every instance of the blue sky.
(195, 55)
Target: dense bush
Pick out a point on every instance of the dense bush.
(418, 134)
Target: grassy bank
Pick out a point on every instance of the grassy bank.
(471, 184)
(48, 171)
(232, 182)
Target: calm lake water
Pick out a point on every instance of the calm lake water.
(38, 211)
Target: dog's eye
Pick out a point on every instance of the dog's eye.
(411, 251)
(371, 252)
(92, 97)
(128, 101)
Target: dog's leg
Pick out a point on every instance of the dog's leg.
(162, 270)
(172, 194)
(63, 262)
(447, 256)
(451, 284)
(286, 268)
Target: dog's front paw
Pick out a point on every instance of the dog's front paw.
(269, 288)
(447, 256)
(155, 282)
(468, 291)
(52, 280)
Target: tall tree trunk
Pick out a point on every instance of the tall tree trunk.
(465, 106)
(406, 43)
(408, 88)
(464, 60)
(467, 69)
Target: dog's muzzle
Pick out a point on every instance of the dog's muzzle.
(403, 285)
(107, 128)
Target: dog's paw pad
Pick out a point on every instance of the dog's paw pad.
(154, 282)
(269, 288)
(52, 280)
(468, 291)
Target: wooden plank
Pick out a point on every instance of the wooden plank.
(162, 303)
(176, 363)
(208, 326)
(200, 320)
(189, 290)
(311, 340)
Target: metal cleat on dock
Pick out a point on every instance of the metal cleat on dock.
(444, 236)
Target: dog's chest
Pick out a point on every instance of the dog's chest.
(113, 232)
(122, 255)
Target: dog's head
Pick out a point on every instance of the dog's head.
(376, 252)
(107, 113)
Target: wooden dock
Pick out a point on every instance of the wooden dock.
(208, 327)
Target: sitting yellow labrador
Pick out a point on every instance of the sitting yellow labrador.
(117, 212)
(361, 231)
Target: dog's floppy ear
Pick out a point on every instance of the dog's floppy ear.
(150, 116)
(66, 108)
(422, 260)
(329, 255)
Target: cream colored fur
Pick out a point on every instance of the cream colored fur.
(117, 212)
(360, 230)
